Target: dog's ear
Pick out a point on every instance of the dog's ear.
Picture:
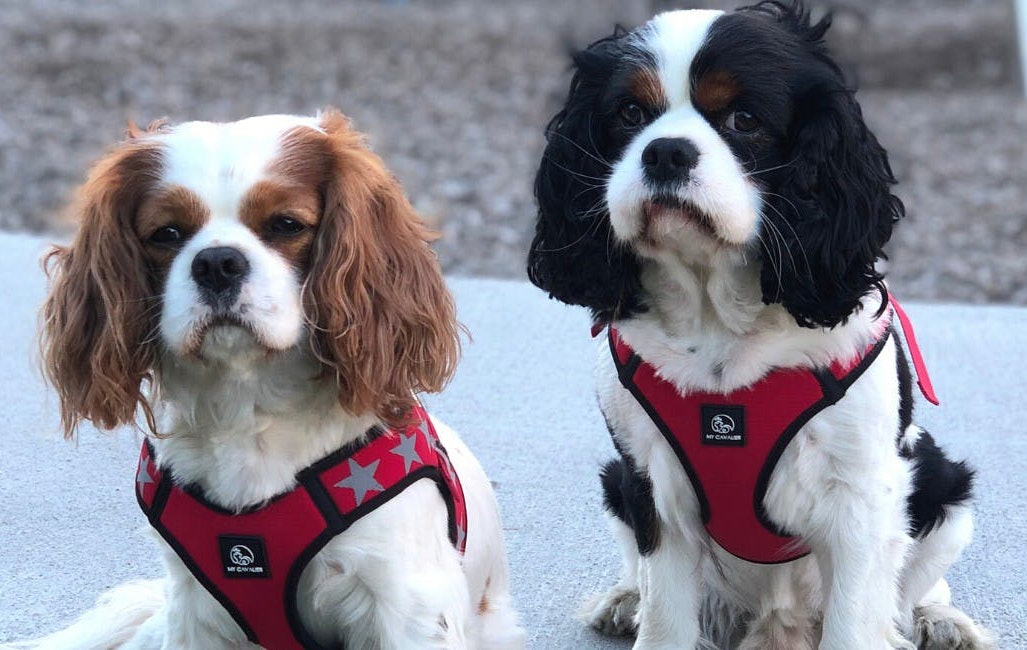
(100, 316)
(381, 318)
(833, 206)
(574, 255)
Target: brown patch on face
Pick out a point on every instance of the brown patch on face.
(270, 202)
(175, 206)
(715, 91)
(646, 87)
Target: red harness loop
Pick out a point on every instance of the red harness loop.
(729, 444)
(251, 561)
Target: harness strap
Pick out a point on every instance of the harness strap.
(251, 561)
(923, 380)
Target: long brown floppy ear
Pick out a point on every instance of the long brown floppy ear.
(381, 317)
(100, 317)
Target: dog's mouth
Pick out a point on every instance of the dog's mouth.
(664, 207)
(226, 334)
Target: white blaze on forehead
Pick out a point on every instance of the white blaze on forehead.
(220, 162)
(674, 38)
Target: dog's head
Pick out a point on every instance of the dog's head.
(221, 243)
(702, 134)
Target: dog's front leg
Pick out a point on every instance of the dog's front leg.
(191, 618)
(669, 586)
(859, 567)
(427, 610)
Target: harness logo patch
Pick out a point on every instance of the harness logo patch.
(723, 425)
(243, 557)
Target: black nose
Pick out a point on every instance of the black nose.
(667, 160)
(219, 272)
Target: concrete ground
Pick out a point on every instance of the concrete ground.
(69, 526)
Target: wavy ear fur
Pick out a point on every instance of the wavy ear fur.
(574, 255)
(833, 204)
(99, 318)
(382, 320)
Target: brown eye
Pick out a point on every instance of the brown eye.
(741, 122)
(632, 115)
(282, 225)
(167, 237)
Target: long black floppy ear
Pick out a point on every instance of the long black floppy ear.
(833, 206)
(574, 255)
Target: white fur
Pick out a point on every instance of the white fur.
(841, 483)
(240, 421)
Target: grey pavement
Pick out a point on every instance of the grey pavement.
(69, 526)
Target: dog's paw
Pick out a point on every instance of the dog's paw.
(779, 630)
(613, 613)
(943, 627)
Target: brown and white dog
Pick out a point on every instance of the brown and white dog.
(263, 293)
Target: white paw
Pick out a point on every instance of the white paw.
(943, 627)
(613, 613)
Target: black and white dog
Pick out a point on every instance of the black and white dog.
(711, 192)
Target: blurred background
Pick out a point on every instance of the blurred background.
(454, 95)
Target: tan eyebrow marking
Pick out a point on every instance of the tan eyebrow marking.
(645, 86)
(272, 197)
(172, 205)
(268, 197)
(714, 91)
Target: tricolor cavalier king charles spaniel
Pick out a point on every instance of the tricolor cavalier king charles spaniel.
(263, 294)
(710, 191)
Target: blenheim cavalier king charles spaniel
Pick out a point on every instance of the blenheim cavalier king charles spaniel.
(711, 193)
(264, 295)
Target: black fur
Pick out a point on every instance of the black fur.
(574, 256)
(829, 201)
(905, 386)
(938, 483)
(826, 180)
(629, 497)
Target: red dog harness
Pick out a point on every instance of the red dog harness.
(251, 561)
(729, 444)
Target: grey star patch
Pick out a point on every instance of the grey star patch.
(143, 476)
(361, 480)
(405, 448)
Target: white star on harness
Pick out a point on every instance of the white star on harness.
(142, 476)
(361, 480)
(405, 448)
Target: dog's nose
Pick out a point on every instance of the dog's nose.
(666, 160)
(219, 272)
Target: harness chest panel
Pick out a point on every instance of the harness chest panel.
(251, 561)
(728, 444)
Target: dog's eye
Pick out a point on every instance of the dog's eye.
(167, 236)
(632, 115)
(741, 122)
(283, 225)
